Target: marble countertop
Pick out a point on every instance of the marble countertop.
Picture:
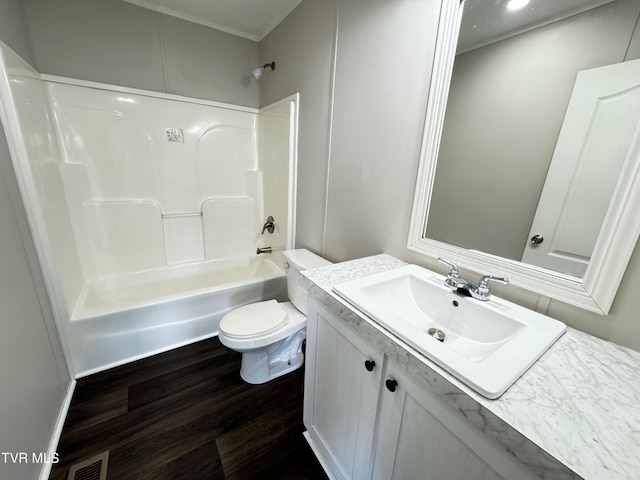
(574, 414)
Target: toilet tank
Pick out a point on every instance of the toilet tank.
(294, 262)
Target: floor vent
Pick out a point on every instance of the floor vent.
(93, 469)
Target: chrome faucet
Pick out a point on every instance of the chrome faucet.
(481, 291)
(457, 284)
(453, 280)
(263, 250)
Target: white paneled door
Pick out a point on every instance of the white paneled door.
(597, 140)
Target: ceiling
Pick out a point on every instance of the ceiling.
(483, 22)
(488, 21)
(252, 19)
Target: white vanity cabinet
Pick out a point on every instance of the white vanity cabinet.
(342, 382)
(382, 424)
(419, 437)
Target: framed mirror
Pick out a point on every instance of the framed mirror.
(530, 164)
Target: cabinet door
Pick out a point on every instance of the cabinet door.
(341, 395)
(419, 437)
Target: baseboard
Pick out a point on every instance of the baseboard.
(57, 431)
(319, 455)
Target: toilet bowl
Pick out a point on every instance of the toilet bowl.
(270, 334)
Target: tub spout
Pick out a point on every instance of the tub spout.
(263, 250)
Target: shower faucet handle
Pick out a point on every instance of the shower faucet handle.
(268, 225)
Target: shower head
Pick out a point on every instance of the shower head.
(257, 72)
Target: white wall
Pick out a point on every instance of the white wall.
(32, 366)
(302, 46)
(374, 144)
(33, 371)
(383, 64)
(507, 101)
(115, 42)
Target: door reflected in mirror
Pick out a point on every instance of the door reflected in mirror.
(542, 118)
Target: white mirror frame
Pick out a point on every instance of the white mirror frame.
(614, 246)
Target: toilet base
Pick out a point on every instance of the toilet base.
(260, 366)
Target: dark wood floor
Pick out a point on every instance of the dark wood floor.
(187, 414)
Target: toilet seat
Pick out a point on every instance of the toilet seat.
(243, 339)
(254, 320)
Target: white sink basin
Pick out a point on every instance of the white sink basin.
(487, 344)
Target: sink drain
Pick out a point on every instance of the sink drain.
(437, 334)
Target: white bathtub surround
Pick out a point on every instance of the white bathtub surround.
(147, 208)
(572, 415)
(145, 201)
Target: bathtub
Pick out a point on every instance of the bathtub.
(125, 317)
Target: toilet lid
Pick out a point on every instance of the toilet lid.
(255, 319)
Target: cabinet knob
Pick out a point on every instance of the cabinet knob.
(391, 384)
(369, 365)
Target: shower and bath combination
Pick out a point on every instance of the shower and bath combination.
(155, 229)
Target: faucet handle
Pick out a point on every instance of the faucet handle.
(454, 268)
(482, 290)
(490, 278)
(269, 225)
(452, 280)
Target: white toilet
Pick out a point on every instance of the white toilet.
(270, 334)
